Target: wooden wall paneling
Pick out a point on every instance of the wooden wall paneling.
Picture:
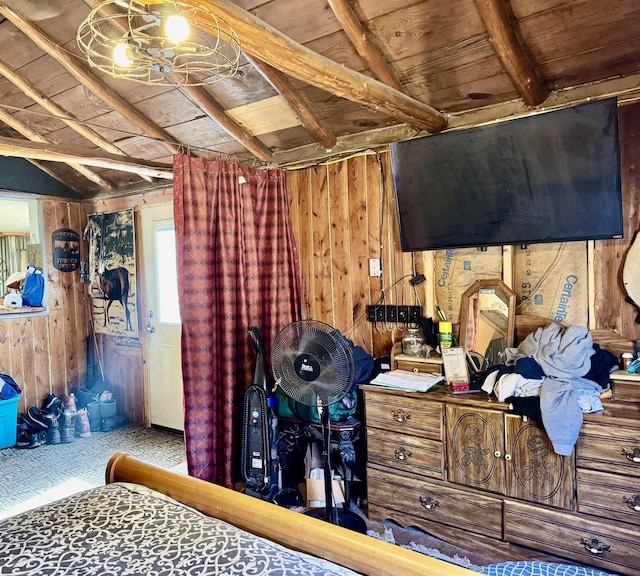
(340, 242)
(306, 219)
(322, 306)
(26, 344)
(57, 354)
(41, 348)
(381, 339)
(67, 304)
(17, 362)
(360, 332)
(612, 310)
(123, 371)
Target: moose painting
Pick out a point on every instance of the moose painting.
(112, 273)
(115, 286)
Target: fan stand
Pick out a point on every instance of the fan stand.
(339, 516)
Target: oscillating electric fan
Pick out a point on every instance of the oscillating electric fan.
(314, 365)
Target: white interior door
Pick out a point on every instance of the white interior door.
(162, 317)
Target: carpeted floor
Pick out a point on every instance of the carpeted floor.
(31, 477)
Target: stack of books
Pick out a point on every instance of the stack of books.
(407, 381)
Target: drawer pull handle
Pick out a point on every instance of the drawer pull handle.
(429, 503)
(497, 453)
(594, 546)
(633, 502)
(632, 454)
(400, 415)
(507, 457)
(402, 453)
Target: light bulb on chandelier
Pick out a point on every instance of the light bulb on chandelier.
(176, 28)
(121, 54)
(174, 42)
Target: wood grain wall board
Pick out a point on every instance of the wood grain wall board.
(57, 357)
(612, 309)
(358, 251)
(26, 349)
(17, 342)
(340, 242)
(376, 236)
(123, 373)
(67, 306)
(48, 76)
(107, 204)
(14, 49)
(322, 305)
(169, 108)
(82, 103)
(41, 349)
(303, 197)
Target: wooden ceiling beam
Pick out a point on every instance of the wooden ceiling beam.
(360, 38)
(15, 148)
(207, 103)
(61, 114)
(32, 135)
(523, 74)
(259, 39)
(70, 63)
(297, 103)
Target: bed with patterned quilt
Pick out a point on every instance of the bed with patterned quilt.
(153, 522)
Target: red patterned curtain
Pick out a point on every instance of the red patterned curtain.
(237, 268)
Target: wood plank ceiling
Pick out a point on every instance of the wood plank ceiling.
(318, 78)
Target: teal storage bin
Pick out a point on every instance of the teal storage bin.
(8, 421)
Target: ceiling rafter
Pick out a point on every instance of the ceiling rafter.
(295, 100)
(271, 46)
(497, 21)
(206, 102)
(61, 114)
(17, 148)
(88, 79)
(32, 135)
(360, 38)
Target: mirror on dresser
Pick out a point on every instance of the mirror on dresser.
(487, 321)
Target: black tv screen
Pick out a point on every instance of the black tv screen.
(550, 177)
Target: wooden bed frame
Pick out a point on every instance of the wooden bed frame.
(358, 552)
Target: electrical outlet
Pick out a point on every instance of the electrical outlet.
(375, 269)
(371, 313)
(403, 314)
(415, 313)
(392, 313)
(380, 313)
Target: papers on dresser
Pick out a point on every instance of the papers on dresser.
(407, 381)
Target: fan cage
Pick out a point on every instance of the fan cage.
(313, 340)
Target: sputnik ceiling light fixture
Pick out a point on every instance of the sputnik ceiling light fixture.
(162, 43)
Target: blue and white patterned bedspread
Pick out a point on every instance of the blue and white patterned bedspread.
(534, 568)
(126, 530)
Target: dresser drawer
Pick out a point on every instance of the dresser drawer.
(625, 386)
(614, 449)
(405, 452)
(609, 495)
(608, 545)
(435, 501)
(406, 414)
(417, 366)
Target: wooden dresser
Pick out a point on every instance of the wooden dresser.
(468, 470)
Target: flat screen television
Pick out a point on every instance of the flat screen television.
(550, 177)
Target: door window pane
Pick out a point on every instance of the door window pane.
(167, 280)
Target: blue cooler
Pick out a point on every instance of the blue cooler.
(8, 419)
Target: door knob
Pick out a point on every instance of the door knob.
(149, 328)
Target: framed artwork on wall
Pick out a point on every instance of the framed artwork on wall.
(112, 273)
